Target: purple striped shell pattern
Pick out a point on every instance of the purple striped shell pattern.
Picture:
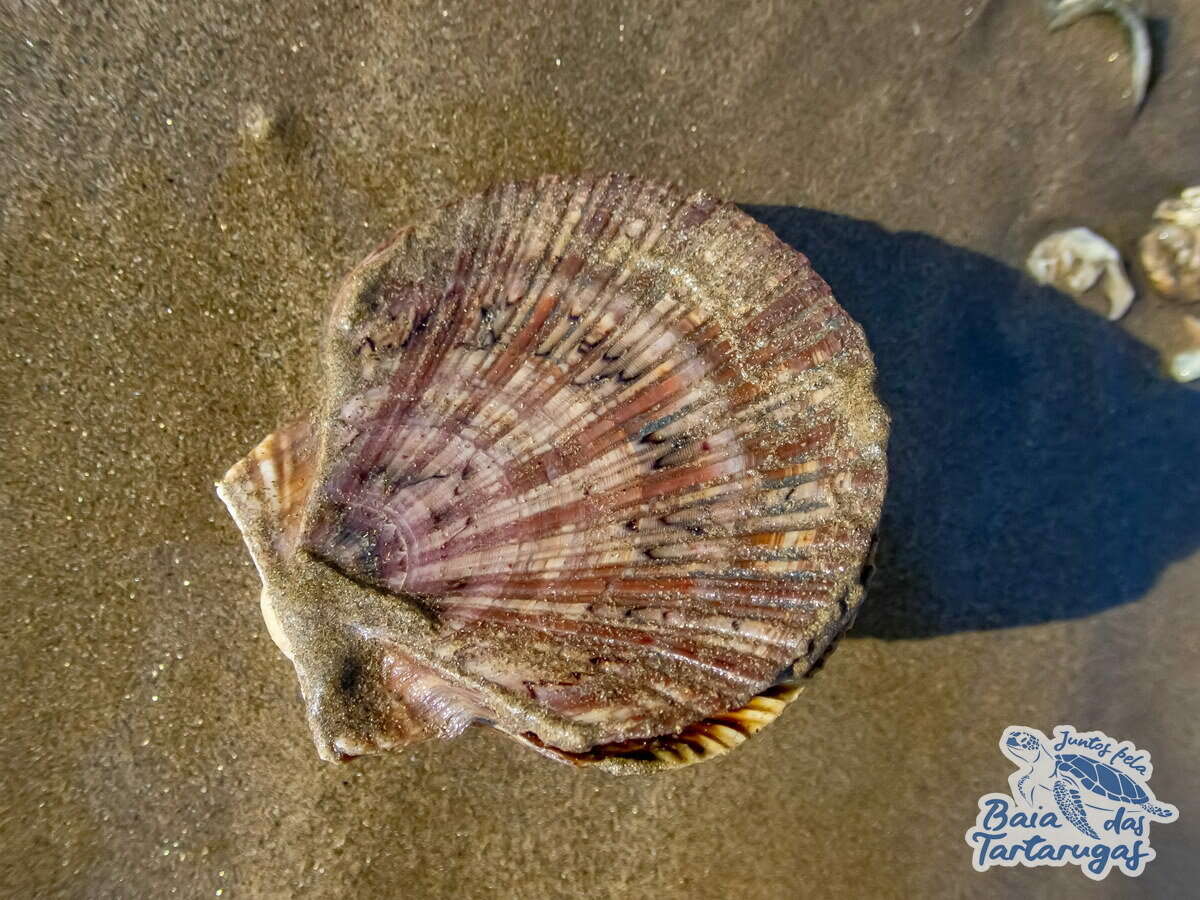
(599, 464)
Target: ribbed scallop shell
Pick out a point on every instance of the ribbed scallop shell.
(598, 464)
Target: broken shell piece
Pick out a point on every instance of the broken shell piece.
(1068, 12)
(1171, 248)
(598, 464)
(1075, 259)
(1185, 365)
(256, 124)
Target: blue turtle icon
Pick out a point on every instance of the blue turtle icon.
(1076, 782)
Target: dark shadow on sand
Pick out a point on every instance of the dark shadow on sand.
(1159, 30)
(1041, 466)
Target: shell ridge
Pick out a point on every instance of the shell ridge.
(715, 636)
(371, 453)
(468, 407)
(679, 651)
(540, 280)
(478, 278)
(599, 306)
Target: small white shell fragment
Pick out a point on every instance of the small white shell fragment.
(256, 124)
(1170, 250)
(1075, 259)
(1185, 365)
(1182, 211)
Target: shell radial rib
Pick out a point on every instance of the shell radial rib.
(598, 464)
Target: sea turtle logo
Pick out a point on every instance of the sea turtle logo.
(1080, 798)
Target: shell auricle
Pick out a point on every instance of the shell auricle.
(598, 464)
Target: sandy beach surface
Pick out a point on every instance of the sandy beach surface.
(181, 188)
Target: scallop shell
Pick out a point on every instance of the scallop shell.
(1171, 248)
(598, 464)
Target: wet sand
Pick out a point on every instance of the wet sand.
(168, 252)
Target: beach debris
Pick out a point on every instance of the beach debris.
(1064, 13)
(1184, 365)
(1171, 248)
(598, 464)
(257, 124)
(1075, 259)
